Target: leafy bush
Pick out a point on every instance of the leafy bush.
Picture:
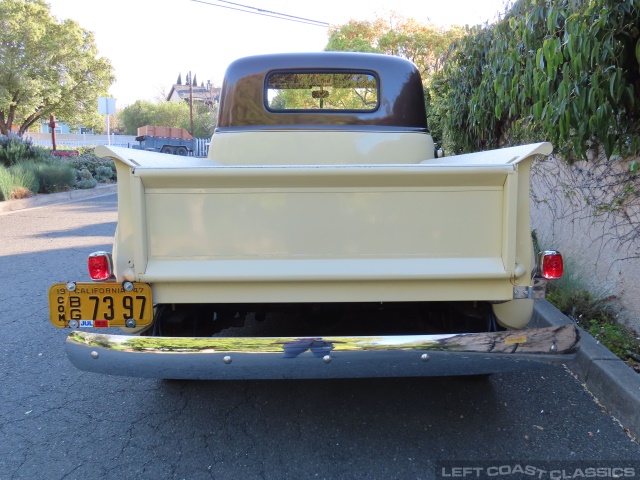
(560, 70)
(85, 150)
(15, 149)
(94, 165)
(28, 169)
(104, 174)
(85, 179)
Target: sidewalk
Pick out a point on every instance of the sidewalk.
(55, 198)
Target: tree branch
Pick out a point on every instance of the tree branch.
(30, 120)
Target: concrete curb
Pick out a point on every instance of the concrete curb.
(55, 198)
(611, 381)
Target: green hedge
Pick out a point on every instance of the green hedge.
(566, 71)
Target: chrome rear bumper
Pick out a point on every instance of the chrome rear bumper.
(240, 358)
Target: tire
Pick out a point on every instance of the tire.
(182, 151)
(168, 149)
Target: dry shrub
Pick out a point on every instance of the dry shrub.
(19, 193)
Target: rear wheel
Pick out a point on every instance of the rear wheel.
(167, 149)
(182, 151)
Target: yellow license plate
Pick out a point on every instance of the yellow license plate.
(100, 305)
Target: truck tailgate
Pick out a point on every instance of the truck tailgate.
(441, 230)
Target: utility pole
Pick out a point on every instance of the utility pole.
(53, 125)
(191, 101)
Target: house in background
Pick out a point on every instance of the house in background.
(63, 128)
(207, 94)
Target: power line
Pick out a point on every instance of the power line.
(275, 13)
(265, 13)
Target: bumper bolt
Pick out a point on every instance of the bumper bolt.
(327, 359)
(127, 286)
(227, 360)
(71, 287)
(73, 324)
(425, 357)
(130, 323)
(95, 355)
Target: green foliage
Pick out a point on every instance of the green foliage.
(205, 118)
(85, 150)
(85, 179)
(6, 183)
(43, 177)
(27, 169)
(427, 46)
(559, 70)
(14, 149)
(47, 67)
(169, 114)
(104, 174)
(54, 176)
(17, 182)
(579, 303)
(97, 167)
(615, 337)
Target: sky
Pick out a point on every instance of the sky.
(150, 42)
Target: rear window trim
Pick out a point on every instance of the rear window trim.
(320, 110)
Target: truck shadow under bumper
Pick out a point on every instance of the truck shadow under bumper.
(253, 358)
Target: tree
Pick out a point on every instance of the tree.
(205, 118)
(426, 45)
(169, 114)
(179, 82)
(47, 67)
(195, 81)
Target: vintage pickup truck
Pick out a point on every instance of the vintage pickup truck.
(322, 237)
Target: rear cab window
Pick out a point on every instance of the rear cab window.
(338, 91)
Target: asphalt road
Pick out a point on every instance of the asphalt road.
(59, 423)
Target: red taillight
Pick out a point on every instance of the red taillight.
(100, 266)
(551, 265)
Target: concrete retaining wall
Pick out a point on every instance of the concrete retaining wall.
(582, 210)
